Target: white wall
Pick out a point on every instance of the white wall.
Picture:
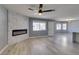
(3, 27)
(51, 28)
(17, 21)
(73, 26)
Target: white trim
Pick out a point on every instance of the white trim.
(40, 36)
(1, 51)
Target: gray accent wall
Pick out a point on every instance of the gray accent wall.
(3, 27)
(51, 28)
(37, 33)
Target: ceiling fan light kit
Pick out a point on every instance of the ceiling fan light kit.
(40, 14)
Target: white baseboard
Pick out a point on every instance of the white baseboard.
(40, 36)
(3, 49)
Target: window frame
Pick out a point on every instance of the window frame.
(40, 28)
(62, 22)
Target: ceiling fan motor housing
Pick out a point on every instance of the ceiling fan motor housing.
(40, 11)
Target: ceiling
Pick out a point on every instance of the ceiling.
(63, 11)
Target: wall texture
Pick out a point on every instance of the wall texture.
(51, 28)
(3, 27)
(17, 21)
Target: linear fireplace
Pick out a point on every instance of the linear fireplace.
(19, 32)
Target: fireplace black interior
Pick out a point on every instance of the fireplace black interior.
(19, 32)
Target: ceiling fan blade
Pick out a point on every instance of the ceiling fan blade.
(40, 6)
(30, 9)
(49, 10)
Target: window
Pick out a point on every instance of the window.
(42, 26)
(64, 26)
(58, 26)
(39, 26)
(61, 26)
(35, 26)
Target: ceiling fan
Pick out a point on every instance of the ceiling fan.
(40, 11)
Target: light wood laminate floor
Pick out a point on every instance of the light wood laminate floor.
(60, 44)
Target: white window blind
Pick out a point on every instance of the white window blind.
(39, 26)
